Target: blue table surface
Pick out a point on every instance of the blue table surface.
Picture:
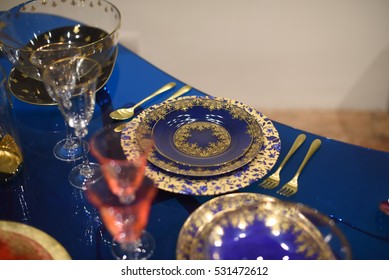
(344, 181)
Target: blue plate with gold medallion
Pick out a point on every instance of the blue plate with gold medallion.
(202, 137)
(255, 169)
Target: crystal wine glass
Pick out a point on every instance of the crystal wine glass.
(124, 198)
(68, 149)
(73, 82)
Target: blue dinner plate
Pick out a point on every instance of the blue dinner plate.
(202, 136)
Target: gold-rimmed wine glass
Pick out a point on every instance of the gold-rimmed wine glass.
(69, 148)
(73, 82)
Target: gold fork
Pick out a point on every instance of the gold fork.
(273, 180)
(291, 187)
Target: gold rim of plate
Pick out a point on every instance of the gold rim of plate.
(51, 245)
(251, 172)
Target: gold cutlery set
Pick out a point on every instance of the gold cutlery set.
(291, 187)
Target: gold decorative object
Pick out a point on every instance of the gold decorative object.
(10, 155)
(183, 135)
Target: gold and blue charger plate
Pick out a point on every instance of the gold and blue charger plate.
(263, 161)
(201, 137)
(19, 241)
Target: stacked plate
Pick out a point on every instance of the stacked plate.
(249, 226)
(205, 145)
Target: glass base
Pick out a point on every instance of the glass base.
(64, 152)
(143, 249)
(80, 176)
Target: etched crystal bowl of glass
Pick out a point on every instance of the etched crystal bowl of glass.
(37, 33)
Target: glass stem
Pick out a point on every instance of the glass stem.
(69, 142)
(86, 170)
(130, 246)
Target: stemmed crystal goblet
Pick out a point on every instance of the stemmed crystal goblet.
(124, 198)
(73, 82)
(68, 149)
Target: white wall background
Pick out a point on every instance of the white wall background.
(331, 54)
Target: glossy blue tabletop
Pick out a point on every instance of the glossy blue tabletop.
(343, 181)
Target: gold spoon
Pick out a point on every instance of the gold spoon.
(179, 92)
(126, 113)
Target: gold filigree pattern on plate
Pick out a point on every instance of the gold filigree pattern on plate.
(184, 104)
(280, 218)
(254, 170)
(183, 139)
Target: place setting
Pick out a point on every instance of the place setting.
(204, 145)
(212, 146)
